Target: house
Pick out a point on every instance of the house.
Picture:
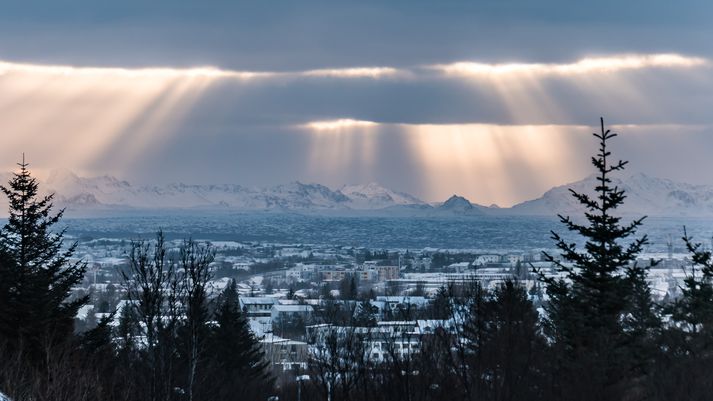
(513, 259)
(385, 342)
(459, 267)
(395, 304)
(300, 272)
(486, 259)
(367, 275)
(431, 326)
(257, 307)
(290, 312)
(387, 272)
(383, 348)
(397, 327)
(285, 354)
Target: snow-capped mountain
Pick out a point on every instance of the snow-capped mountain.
(457, 204)
(646, 195)
(375, 196)
(73, 191)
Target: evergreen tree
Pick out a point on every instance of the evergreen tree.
(586, 312)
(348, 288)
(694, 309)
(36, 309)
(238, 369)
(365, 315)
(683, 370)
(506, 320)
(441, 307)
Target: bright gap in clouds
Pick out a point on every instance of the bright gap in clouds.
(200, 72)
(339, 124)
(587, 65)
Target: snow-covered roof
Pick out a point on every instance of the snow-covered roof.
(257, 300)
(292, 308)
(273, 339)
(403, 299)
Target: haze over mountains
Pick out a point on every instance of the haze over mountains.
(645, 195)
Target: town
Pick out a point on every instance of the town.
(296, 295)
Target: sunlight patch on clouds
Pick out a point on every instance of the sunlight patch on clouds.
(201, 72)
(359, 72)
(588, 65)
(338, 124)
(157, 72)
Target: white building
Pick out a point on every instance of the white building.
(393, 303)
(290, 312)
(482, 260)
(257, 307)
(513, 259)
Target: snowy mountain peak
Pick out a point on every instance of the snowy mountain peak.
(78, 192)
(456, 202)
(374, 195)
(645, 195)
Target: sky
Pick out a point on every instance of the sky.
(492, 100)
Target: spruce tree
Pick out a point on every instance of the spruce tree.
(683, 370)
(36, 309)
(693, 311)
(588, 309)
(238, 369)
(505, 320)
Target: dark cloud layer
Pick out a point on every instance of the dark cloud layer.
(306, 34)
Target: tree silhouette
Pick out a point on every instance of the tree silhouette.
(588, 305)
(237, 369)
(36, 309)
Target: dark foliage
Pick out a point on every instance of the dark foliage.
(596, 307)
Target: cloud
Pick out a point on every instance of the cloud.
(7, 67)
(338, 124)
(157, 72)
(358, 72)
(588, 65)
(463, 69)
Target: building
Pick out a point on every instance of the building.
(386, 272)
(291, 312)
(285, 354)
(367, 275)
(486, 259)
(393, 304)
(257, 307)
(459, 267)
(514, 259)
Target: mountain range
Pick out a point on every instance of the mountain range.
(645, 195)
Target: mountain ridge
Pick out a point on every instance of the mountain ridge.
(646, 195)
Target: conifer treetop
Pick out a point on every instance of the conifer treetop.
(603, 250)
